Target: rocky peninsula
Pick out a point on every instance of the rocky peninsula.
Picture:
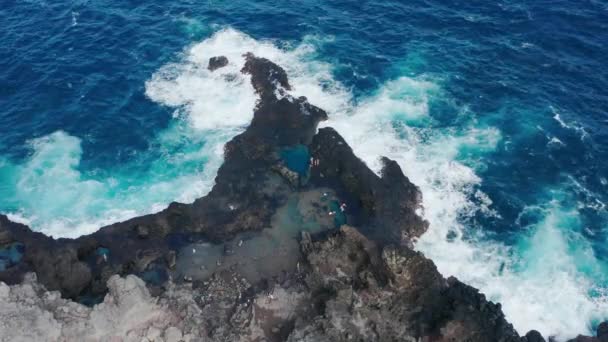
(297, 241)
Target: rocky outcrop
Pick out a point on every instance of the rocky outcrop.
(217, 62)
(601, 336)
(30, 313)
(279, 175)
(346, 289)
(252, 183)
(389, 201)
(365, 293)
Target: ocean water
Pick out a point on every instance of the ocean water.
(497, 110)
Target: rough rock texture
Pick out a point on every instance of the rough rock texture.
(217, 62)
(347, 289)
(348, 284)
(602, 335)
(394, 294)
(390, 201)
(29, 313)
(250, 185)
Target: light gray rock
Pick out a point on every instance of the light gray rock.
(128, 313)
(216, 312)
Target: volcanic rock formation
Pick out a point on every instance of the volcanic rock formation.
(270, 254)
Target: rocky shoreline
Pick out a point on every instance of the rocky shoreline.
(297, 241)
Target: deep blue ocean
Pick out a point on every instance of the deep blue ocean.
(498, 110)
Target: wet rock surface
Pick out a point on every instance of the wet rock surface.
(217, 62)
(270, 254)
(387, 203)
(601, 335)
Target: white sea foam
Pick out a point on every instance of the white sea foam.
(555, 142)
(48, 183)
(52, 195)
(396, 122)
(389, 123)
(225, 98)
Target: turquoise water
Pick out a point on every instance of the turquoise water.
(297, 159)
(497, 110)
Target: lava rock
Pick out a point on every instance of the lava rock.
(266, 76)
(142, 231)
(217, 62)
(246, 194)
(602, 332)
(170, 258)
(533, 336)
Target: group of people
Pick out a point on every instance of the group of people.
(342, 209)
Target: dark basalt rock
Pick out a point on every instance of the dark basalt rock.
(217, 62)
(364, 293)
(602, 335)
(533, 336)
(363, 284)
(249, 188)
(5, 238)
(266, 77)
(56, 263)
(388, 203)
